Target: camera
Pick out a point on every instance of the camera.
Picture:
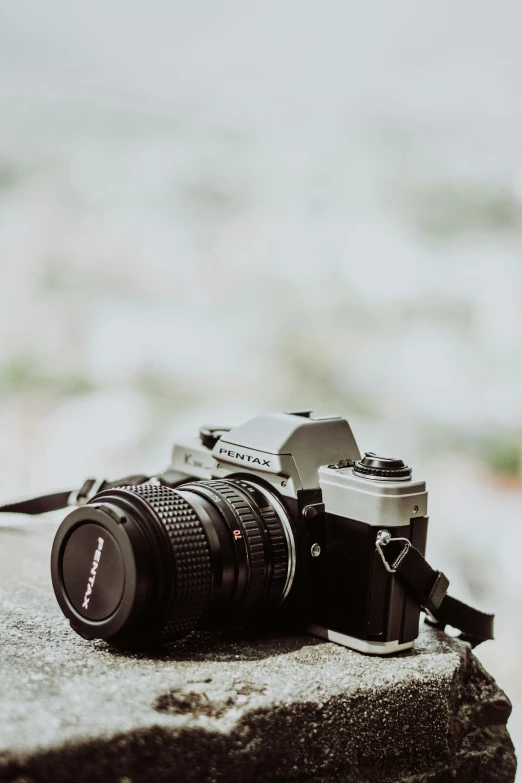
(278, 521)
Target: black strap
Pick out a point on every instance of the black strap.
(429, 587)
(89, 488)
(71, 497)
(39, 505)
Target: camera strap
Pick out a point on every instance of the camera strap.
(423, 583)
(429, 588)
(69, 497)
(79, 497)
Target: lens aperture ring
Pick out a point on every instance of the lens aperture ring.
(278, 553)
(191, 554)
(250, 529)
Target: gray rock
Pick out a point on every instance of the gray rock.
(229, 708)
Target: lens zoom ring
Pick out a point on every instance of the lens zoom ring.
(253, 536)
(191, 556)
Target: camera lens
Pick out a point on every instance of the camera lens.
(147, 562)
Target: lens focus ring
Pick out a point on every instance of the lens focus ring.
(193, 572)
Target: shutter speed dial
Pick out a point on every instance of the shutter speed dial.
(373, 466)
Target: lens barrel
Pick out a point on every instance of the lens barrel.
(145, 563)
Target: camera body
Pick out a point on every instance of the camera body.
(337, 503)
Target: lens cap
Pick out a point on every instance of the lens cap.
(101, 571)
(93, 572)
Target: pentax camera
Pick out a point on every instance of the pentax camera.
(277, 521)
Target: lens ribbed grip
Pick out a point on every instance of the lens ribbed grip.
(253, 536)
(193, 572)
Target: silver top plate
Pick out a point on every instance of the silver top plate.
(376, 502)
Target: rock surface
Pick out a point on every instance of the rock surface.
(227, 708)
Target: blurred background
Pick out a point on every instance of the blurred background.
(211, 210)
